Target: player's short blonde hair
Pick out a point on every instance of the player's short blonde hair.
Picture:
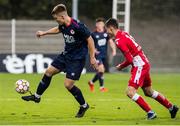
(100, 19)
(58, 9)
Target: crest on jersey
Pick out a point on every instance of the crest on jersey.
(72, 31)
(105, 34)
(97, 36)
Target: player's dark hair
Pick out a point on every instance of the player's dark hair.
(112, 22)
(100, 19)
(59, 8)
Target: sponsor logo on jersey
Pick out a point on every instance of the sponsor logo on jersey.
(68, 38)
(102, 42)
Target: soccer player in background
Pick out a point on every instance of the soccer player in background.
(101, 40)
(140, 72)
(78, 40)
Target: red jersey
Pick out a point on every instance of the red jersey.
(131, 50)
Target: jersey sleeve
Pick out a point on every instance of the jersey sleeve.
(84, 31)
(60, 27)
(93, 35)
(128, 57)
(94, 38)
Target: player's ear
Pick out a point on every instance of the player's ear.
(63, 17)
(111, 28)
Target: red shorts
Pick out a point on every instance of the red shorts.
(140, 77)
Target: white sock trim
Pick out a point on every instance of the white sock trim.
(84, 106)
(155, 94)
(91, 82)
(101, 87)
(135, 97)
(171, 108)
(37, 96)
(150, 111)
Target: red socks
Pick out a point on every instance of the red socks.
(141, 102)
(161, 99)
(157, 96)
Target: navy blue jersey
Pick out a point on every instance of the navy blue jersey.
(75, 36)
(100, 40)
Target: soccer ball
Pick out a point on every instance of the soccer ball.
(22, 86)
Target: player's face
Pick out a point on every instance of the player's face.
(59, 18)
(109, 31)
(100, 26)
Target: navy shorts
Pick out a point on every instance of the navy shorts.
(101, 60)
(72, 68)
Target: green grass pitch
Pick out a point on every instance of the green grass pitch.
(58, 107)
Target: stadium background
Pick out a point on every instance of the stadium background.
(154, 24)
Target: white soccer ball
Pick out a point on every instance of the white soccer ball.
(22, 86)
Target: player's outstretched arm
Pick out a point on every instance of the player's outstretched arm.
(113, 47)
(92, 50)
(54, 30)
(128, 61)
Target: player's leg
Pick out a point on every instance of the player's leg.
(132, 94)
(101, 70)
(43, 84)
(74, 69)
(148, 91)
(137, 76)
(91, 82)
(96, 76)
(46, 80)
(76, 92)
(56, 66)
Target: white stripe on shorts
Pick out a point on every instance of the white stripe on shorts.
(138, 75)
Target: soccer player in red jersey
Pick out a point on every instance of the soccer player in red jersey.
(140, 72)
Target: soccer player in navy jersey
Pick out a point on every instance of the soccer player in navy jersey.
(101, 41)
(78, 40)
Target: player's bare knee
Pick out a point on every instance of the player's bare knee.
(48, 73)
(101, 71)
(68, 85)
(148, 92)
(129, 93)
(101, 68)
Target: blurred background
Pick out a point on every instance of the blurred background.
(155, 24)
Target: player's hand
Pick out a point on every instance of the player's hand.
(96, 52)
(114, 53)
(40, 33)
(94, 63)
(118, 67)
